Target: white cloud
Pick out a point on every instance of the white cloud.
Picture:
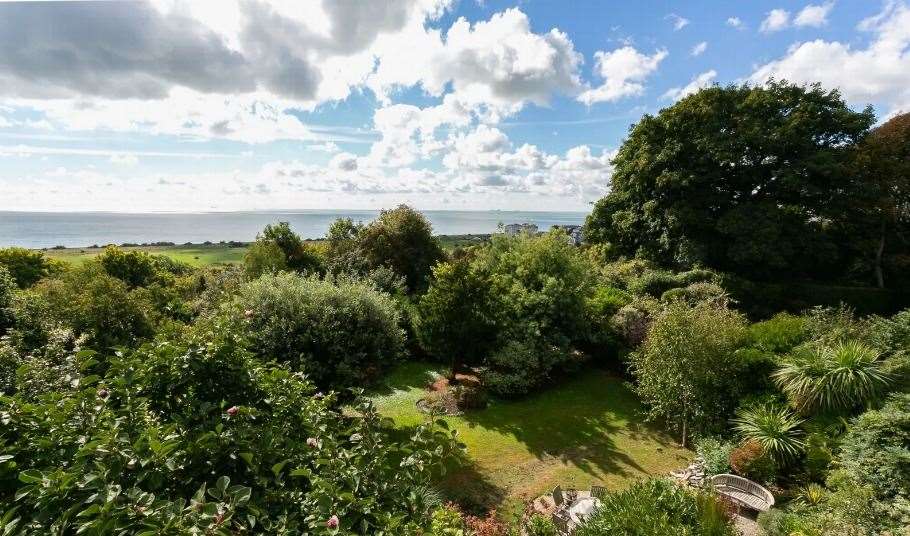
(735, 22)
(777, 20)
(678, 22)
(813, 15)
(498, 64)
(879, 73)
(624, 70)
(344, 162)
(703, 80)
(325, 147)
(700, 48)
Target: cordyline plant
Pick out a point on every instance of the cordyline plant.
(836, 378)
(775, 428)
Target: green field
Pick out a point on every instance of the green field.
(585, 430)
(205, 254)
(196, 255)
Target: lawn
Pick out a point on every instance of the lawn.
(195, 255)
(585, 430)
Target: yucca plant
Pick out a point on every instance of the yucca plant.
(835, 378)
(775, 428)
(812, 494)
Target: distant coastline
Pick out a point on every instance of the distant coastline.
(81, 230)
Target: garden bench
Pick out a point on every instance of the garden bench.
(743, 492)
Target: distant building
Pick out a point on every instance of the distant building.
(514, 229)
(574, 233)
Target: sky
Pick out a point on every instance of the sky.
(219, 105)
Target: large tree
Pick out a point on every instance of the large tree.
(740, 178)
(883, 164)
(401, 239)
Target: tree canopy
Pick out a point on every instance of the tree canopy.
(739, 178)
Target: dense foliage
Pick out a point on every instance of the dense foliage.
(194, 435)
(658, 507)
(688, 370)
(26, 266)
(743, 179)
(340, 333)
(516, 306)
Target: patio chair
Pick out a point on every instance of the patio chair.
(562, 522)
(598, 492)
(558, 497)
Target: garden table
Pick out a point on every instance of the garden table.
(582, 508)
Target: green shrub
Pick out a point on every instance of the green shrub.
(340, 334)
(687, 371)
(654, 283)
(621, 274)
(697, 292)
(447, 521)
(401, 239)
(7, 289)
(27, 266)
(657, 507)
(779, 334)
(137, 268)
(716, 453)
(751, 461)
(264, 257)
(876, 449)
(540, 525)
(91, 303)
(601, 307)
(697, 275)
(633, 320)
(9, 362)
(237, 447)
(519, 367)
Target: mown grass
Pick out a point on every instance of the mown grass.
(195, 255)
(585, 430)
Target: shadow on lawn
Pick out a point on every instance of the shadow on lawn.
(576, 422)
(407, 376)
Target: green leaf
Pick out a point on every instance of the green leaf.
(31, 476)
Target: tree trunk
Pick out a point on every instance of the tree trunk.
(684, 433)
(879, 252)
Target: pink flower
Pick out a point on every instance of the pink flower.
(232, 410)
(248, 313)
(332, 523)
(312, 442)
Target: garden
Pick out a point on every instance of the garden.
(747, 321)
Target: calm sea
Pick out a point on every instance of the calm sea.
(80, 229)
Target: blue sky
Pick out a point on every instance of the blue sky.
(164, 105)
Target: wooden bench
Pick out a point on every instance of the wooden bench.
(743, 492)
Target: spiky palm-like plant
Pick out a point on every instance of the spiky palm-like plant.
(832, 378)
(775, 428)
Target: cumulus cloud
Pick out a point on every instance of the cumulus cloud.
(703, 80)
(776, 20)
(735, 22)
(878, 73)
(344, 162)
(699, 49)
(624, 71)
(813, 15)
(499, 63)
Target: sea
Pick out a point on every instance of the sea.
(84, 229)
